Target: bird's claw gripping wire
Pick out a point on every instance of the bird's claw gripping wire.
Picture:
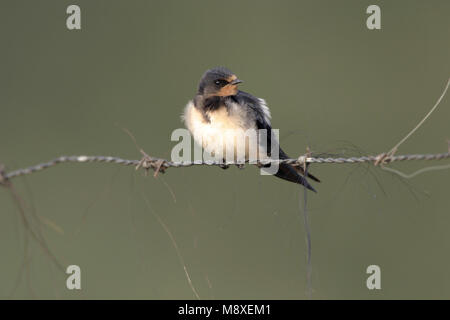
(226, 166)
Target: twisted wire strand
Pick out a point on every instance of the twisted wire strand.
(159, 164)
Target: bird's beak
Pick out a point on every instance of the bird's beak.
(236, 81)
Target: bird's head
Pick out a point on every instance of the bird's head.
(219, 82)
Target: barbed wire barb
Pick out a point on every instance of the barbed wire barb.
(385, 156)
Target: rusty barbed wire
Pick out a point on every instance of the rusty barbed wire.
(159, 165)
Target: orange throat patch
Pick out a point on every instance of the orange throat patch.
(228, 90)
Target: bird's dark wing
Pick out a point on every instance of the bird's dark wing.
(262, 119)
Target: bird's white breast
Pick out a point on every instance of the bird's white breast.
(225, 128)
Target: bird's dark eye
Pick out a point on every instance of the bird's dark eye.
(220, 82)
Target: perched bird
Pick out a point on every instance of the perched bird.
(221, 112)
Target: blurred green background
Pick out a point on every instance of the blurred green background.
(331, 83)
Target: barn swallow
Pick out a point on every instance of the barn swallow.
(219, 107)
